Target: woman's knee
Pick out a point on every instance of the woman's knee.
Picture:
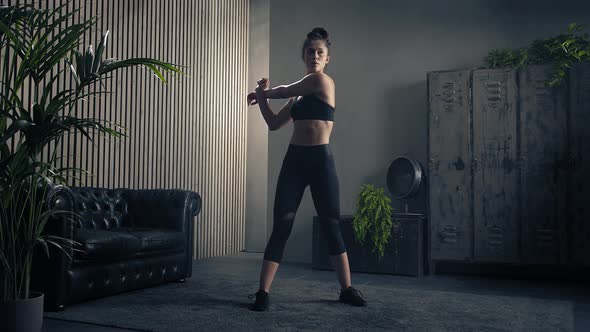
(281, 230)
(331, 229)
(283, 223)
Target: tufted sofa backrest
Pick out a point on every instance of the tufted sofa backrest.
(100, 208)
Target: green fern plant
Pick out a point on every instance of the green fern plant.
(372, 218)
(562, 51)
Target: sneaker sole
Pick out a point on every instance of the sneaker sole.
(255, 308)
(354, 304)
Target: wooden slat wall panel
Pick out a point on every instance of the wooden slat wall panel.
(189, 134)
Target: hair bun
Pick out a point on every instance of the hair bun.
(318, 32)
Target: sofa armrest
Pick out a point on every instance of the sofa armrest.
(162, 208)
(48, 273)
(61, 200)
(165, 208)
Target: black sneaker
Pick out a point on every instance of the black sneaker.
(352, 296)
(262, 300)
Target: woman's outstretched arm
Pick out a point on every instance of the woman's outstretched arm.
(273, 121)
(314, 83)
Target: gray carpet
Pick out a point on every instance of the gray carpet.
(218, 302)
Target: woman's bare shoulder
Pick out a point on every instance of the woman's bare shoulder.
(318, 76)
(321, 79)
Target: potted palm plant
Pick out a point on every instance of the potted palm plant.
(33, 42)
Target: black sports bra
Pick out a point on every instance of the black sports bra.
(310, 107)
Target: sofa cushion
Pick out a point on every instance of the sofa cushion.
(157, 239)
(103, 244)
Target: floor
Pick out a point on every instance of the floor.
(249, 263)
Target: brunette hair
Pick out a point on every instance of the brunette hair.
(316, 34)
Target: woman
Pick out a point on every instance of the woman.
(308, 161)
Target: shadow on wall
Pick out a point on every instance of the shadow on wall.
(407, 117)
(416, 204)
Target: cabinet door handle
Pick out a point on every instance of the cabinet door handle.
(522, 162)
(474, 165)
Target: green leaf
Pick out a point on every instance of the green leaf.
(88, 60)
(14, 128)
(99, 50)
(81, 72)
(157, 73)
(38, 114)
(49, 88)
(571, 27)
(155, 65)
(44, 246)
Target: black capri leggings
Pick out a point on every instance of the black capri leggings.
(305, 165)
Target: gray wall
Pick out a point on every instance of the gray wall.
(257, 147)
(381, 53)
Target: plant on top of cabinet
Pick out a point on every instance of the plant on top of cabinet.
(562, 50)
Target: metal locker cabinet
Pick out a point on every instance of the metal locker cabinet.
(495, 177)
(449, 195)
(579, 139)
(543, 146)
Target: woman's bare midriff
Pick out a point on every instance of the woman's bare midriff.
(311, 132)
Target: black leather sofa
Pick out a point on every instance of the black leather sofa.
(129, 238)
